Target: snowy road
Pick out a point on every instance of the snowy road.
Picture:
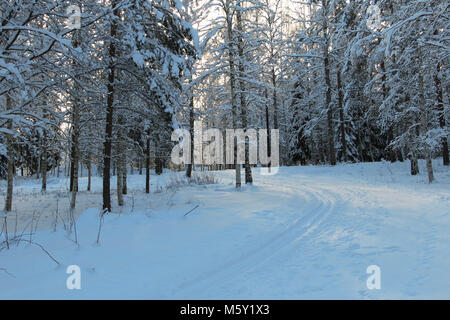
(334, 231)
(311, 213)
(308, 232)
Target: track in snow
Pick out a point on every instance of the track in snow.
(316, 205)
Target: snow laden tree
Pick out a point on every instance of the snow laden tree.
(272, 34)
(151, 44)
(386, 70)
(231, 81)
(196, 14)
(357, 104)
(31, 32)
(312, 49)
(415, 48)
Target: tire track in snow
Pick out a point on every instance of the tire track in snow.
(319, 209)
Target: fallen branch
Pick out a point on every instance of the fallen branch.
(102, 214)
(43, 249)
(6, 271)
(192, 210)
(5, 225)
(19, 239)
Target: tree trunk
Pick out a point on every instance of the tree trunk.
(89, 167)
(275, 105)
(67, 168)
(75, 151)
(341, 117)
(159, 165)
(424, 127)
(75, 160)
(248, 169)
(119, 183)
(147, 168)
(43, 158)
(414, 164)
(38, 173)
(390, 133)
(109, 115)
(44, 170)
(120, 160)
(231, 57)
(75, 181)
(191, 130)
(269, 146)
(440, 107)
(328, 105)
(124, 177)
(71, 168)
(75, 130)
(73, 163)
(10, 153)
(430, 168)
(391, 152)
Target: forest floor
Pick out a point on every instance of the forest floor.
(305, 233)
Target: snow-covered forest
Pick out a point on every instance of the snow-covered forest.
(350, 100)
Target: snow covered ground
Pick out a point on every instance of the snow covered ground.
(305, 233)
